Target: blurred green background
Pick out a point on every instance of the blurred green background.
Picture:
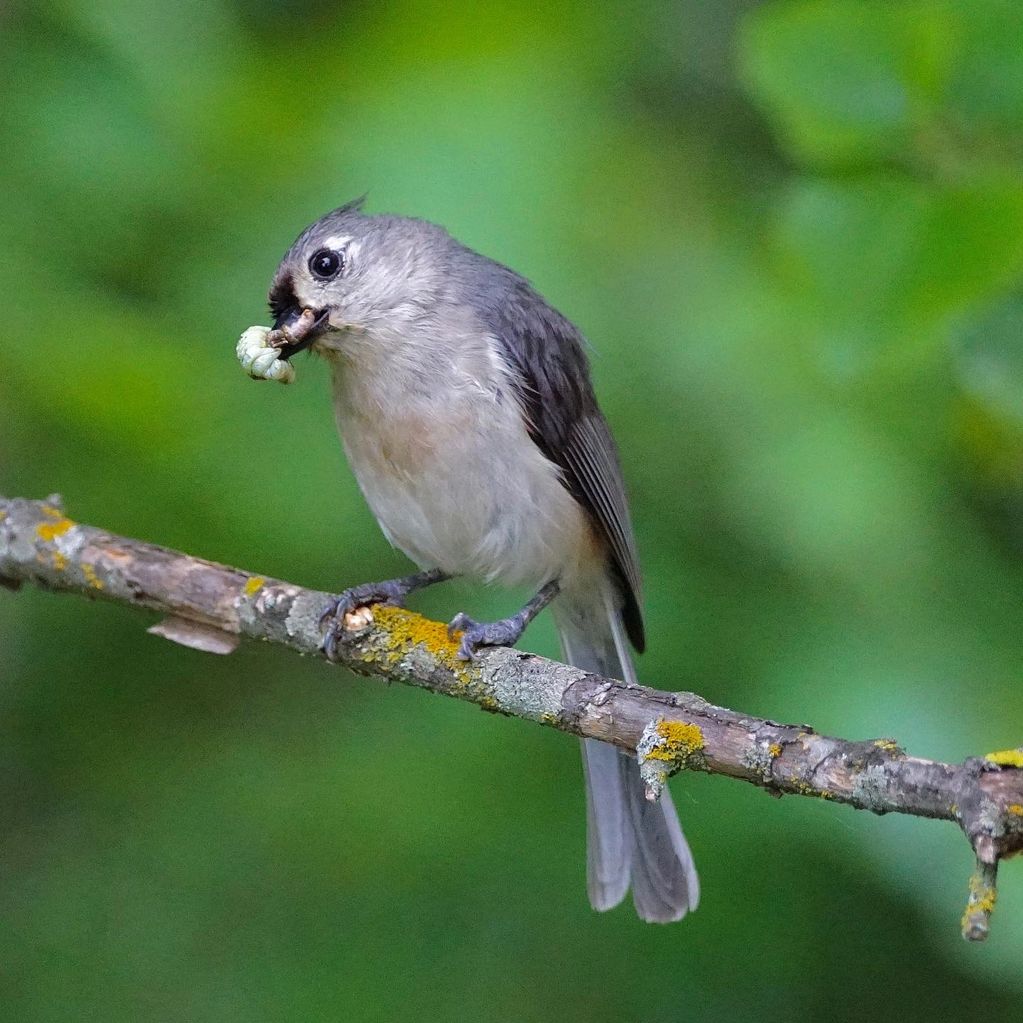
(794, 235)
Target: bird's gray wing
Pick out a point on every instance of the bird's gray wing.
(551, 375)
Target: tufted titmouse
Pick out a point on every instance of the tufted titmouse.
(467, 414)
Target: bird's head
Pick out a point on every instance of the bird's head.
(352, 273)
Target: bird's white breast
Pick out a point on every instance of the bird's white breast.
(442, 455)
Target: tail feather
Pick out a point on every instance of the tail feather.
(665, 885)
(629, 839)
(608, 825)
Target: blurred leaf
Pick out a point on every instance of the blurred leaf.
(885, 256)
(987, 83)
(990, 358)
(849, 82)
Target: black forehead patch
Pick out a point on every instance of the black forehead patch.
(282, 295)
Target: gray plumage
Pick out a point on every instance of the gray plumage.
(552, 380)
(467, 413)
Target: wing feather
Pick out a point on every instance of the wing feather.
(546, 357)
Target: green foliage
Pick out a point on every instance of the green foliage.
(794, 235)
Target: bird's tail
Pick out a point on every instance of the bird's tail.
(628, 838)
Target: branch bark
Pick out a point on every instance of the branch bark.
(210, 605)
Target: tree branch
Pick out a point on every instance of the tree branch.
(211, 605)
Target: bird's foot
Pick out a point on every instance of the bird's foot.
(390, 591)
(506, 632)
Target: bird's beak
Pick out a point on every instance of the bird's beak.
(296, 329)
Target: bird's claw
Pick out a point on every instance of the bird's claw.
(332, 621)
(506, 632)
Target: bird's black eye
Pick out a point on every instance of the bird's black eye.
(326, 264)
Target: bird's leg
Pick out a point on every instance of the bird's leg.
(390, 591)
(506, 632)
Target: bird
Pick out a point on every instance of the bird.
(467, 413)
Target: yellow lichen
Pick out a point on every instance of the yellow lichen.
(406, 629)
(49, 531)
(1006, 758)
(59, 561)
(804, 788)
(775, 750)
(90, 576)
(888, 745)
(983, 897)
(254, 585)
(679, 741)
(1016, 809)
